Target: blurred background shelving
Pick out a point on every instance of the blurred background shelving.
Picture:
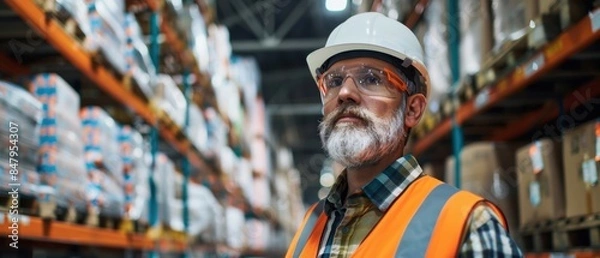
(188, 128)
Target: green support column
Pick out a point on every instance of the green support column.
(186, 164)
(187, 88)
(155, 55)
(454, 59)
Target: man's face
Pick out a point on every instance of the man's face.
(359, 129)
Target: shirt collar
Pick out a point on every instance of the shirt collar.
(383, 189)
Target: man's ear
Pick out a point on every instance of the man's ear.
(415, 108)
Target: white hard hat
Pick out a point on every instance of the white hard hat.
(375, 32)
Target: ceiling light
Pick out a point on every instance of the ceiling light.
(327, 179)
(336, 5)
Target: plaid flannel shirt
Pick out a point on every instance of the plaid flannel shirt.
(349, 224)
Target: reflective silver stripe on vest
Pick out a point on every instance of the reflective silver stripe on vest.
(418, 233)
(308, 228)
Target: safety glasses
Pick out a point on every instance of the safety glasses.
(370, 81)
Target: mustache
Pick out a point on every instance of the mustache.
(346, 110)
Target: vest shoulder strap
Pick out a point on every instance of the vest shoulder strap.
(313, 216)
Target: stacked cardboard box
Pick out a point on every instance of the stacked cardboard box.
(488, 170)
(540, 177)
(581, 153)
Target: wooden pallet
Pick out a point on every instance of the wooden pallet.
(562, 234)
(26, 205)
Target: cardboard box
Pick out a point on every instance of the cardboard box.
(540, 177)
(581, 153)
(487, 169)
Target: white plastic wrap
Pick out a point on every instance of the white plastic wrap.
(202, 202)
(196, 130)
(139, 63)
(198, 37)
(219, 49)
(475, 41)
(108, 34)
(509, 20)
(20, 117)
(261, 197)
(435, 46)
(217, 130)
(229, 99)
(170, 99)
(235, 222)
(100, 136)
(51, 89)
(78, 10)
(135, 172)
(163, 177)
(258, 234)
(27, 177)
(62, 167)
(244, 177)
(245, 71)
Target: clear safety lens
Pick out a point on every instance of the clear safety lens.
(369, 81)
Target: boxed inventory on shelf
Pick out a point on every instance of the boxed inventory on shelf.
(488, 170)
(476, 38)
(21, 116)
(103, 161)
(136, 168)
(581, 153)
(77, 9)
(108, 34)
(62, 167)
(196, 129)
(540, 177)
(139, 63)
(100, 136)
(169, 98)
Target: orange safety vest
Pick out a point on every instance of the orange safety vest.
(428, 220)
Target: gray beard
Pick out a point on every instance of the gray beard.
(355, 146)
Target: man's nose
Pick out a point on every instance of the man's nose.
(348, 91)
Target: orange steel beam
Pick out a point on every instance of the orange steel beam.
(416, 14)
(376, 4)
(568, 43)
(74, 52)
(546, 113)
(65, 233)
(11, 67)
(153, 4)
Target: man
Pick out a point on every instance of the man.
(374, 89)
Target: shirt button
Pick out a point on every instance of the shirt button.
(345, 230)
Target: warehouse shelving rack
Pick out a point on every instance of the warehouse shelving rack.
(37, 229)
(516, 90)
(544, 62)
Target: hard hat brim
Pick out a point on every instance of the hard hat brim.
(316, 58)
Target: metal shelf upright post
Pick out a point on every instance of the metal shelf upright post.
(155, 56)
(454, 58)
(186, 164)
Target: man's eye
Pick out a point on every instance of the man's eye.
(370, 79)
(334, 81)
